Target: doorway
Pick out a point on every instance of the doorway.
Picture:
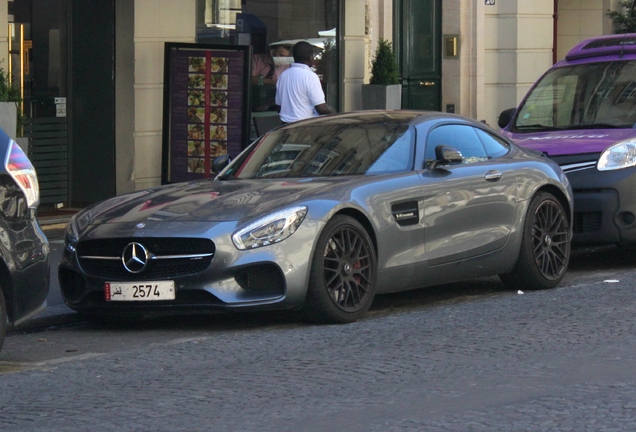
(418, 36)
(62, 57)
(38, 68)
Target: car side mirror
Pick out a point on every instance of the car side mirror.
(220, 162)
(505, 117)
(446, 155)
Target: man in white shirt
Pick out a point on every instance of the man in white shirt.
(298, 90)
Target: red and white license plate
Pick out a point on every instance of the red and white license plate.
(139, 291)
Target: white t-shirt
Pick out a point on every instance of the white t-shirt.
(298, 91)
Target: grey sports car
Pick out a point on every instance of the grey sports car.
(323, 214)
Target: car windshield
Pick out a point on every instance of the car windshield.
(593, 95)
(327, 148)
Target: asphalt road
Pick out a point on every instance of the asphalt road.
(460, 357)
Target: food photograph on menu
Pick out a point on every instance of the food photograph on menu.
(196, 131)
(196, 115)
(218, 115)
(218, 81)
(196, 64)
(218, 98)
(196, 97)
(196, 81)
(218, 65)
(218, 132)
(218, 148)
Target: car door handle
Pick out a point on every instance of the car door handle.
(493, 175)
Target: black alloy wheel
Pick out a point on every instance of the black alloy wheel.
(545, 246)
(342, 280)
(550, 239)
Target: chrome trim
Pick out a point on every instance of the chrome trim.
(152, 257)
(581, 166)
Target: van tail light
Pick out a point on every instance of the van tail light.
(20, 168)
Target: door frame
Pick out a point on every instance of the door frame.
(399, 29)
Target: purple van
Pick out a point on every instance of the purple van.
(582, 114)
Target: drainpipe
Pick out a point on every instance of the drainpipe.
(555, 27)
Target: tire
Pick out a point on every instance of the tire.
(343, 274)
(3, 318)
(545, 246)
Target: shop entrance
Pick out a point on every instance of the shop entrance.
(61, 59)
(37, 67)
(418, 30)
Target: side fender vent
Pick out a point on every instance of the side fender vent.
(406, 213)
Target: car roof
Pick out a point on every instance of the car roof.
(619, 45)
(411, 117)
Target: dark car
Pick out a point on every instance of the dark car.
(322, 214)
(24, 249)
(582, 114)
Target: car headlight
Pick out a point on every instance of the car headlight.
(619, 156)
(75, 226)
(269, 229)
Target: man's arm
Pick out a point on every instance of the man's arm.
(323, 109)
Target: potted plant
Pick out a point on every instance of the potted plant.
(9, 99)
(625, 18)
(384, 90)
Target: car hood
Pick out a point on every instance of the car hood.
(572, 142)
(212, 201)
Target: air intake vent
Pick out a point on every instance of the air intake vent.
(406, 213)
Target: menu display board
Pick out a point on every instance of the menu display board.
(206, 107)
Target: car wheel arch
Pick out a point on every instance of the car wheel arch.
(363, 220)
(560, 196)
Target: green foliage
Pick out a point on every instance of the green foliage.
(384, 69)
(11, 93)
(8, 93)
(625, 18)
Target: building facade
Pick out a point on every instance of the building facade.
(98, 67)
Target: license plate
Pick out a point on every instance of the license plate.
(139, 291)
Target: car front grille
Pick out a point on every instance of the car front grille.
(168, 257)
(587, 222)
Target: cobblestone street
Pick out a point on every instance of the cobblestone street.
(464, 357)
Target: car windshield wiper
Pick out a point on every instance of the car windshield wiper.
(538, 127)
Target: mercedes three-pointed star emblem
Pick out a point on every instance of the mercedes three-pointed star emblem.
(135, 257)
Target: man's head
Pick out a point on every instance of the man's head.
(303, 52)
(280, 51)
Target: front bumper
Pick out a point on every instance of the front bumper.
(604, 206)
(267, 278)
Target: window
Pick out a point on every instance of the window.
(272, 27)
(494, 145)
(461, 137)
(326, 150)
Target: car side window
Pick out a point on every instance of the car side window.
(495, 146)
(461, 137)
(396, 157)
